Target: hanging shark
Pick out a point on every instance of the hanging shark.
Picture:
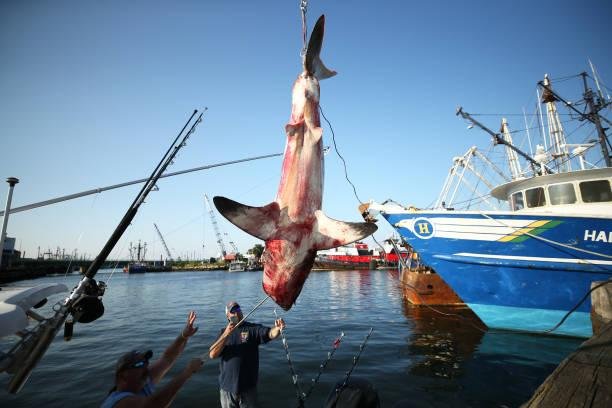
(293, 226)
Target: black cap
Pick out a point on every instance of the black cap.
(231, 305)
(130, 358)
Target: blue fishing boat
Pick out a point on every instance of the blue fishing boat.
(529, 267)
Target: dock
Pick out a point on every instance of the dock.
(584, 379)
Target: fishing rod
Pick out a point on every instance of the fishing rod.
(84, 304)
(301, 395)
(330, 354)
(349, 372)
(146, 189)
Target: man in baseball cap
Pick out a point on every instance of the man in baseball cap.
(136, 377)
(238, 347)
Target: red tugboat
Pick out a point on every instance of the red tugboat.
(358, 256)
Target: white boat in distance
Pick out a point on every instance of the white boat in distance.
(237, 266)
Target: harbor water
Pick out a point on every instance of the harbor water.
(420, 356)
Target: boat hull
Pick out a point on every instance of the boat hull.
(427, 288)
(324, 263)
(138, 267)
(516, 271)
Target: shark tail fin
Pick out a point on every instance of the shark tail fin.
(333, 233)
(312, 60)
(260, 222)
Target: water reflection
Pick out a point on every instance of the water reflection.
(443, 338)
(452, 356)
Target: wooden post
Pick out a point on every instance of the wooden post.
(584, 379)
(601, 309)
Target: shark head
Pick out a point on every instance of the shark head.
(286, 266)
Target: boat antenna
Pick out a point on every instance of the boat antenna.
(84, 304)
(497, 139)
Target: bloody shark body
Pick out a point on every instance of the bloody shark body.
(293, 226)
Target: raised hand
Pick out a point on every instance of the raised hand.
(189, 329)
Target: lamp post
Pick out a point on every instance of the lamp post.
(11, 181)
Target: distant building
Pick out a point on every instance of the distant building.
(9, 253)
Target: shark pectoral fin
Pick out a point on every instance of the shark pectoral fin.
(332, 233)
(321, 72)
(314, 134)
(260, 222)
(291, 129)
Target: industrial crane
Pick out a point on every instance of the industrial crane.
(163, 243)
(232, 244)
(216, 227)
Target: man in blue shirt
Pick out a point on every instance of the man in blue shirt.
(238, 346)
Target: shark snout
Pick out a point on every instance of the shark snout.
(286, 268)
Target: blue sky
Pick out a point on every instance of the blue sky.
(92, 94)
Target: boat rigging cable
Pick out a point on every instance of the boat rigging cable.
(84, 304)
(129, 183)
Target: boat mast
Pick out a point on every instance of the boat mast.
(595, 118)
(596, 79)
(513, 163)
(555, 130)
(592, 116)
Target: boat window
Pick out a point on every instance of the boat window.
(516, 201)
(535, 197)
(596, 191)
(562, 194)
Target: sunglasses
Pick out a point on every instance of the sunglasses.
(235, 310)
(139, 364)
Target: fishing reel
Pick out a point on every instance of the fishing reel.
(87, 306)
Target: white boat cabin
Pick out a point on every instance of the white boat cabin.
(584, 192)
